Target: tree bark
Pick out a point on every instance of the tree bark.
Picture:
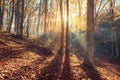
(39, 18)
(116, 45)
(45, 19)
(89, 55)
(62, 28)
(17, 18)
(22, 19)
(67, 28)
(2, 4)
(111, 26)
(11, 20)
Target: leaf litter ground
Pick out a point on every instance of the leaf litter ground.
(20, 59)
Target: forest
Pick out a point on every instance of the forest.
(59, 39)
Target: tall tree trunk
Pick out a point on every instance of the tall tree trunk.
(67, 28)
(111, 25)
(0, 14)
(11, 20)
(22, 19)
(39, 18)
(17, 18)
(116, 45)
(62, 28)
(80, 7)
(45, 19)
(88, 60)
(2, 5)
(27, 27)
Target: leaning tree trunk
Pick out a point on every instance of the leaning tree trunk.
(88, 60)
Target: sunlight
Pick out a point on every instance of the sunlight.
(65, 18)
(59, 39)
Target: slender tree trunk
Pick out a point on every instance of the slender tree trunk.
(45, 19)
(115, 50)
(17, 18)
(80, 7)
(22, 19)
(11, 20)
(27, 28)
(112, 28)
(39, 18)
(67, 28)
(62, 28)
(0, 15)
(116, 45)
(2, 4)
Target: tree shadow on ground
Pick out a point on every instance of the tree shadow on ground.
(9, 53)
(39, 50)
(54, 71)
(105, 65)
(92, 73)
(66, 73)
(30, 45)
(105, 62)
(51, 72)
(28, 70)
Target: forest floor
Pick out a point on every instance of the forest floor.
(20, 59)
